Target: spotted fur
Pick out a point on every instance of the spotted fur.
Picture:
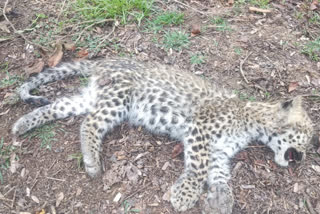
(212, 124)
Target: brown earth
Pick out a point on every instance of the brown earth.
(138, 165)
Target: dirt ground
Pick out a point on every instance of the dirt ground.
(260, 57)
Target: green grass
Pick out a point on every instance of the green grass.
(45, 134)
(260, 3)
(315, 18)
(9, 79)
(127, 208)
(170, 18)
(94, 10)
(177, 40)
(312, 49)
(78, 157)
(221, 24)
(238, 50)
(244, 96)
(5, 153)
(197, 59)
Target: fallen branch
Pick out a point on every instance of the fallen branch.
(17, 32)
(259, 10)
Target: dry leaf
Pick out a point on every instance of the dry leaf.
(13, 163)
(313, 5)
(316, 168)
(195, 29)
(79, 191)
(59, 198)
(82, 53)
(4, 27)
(293, 86)
(166, 196)
(117, 198)
(56, 56)
(35, 68)
(177, 150)
(69, 46)
(230, 2)
(41, 212)
(28, 192)
(35, 199)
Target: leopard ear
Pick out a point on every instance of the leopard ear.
(292, 103)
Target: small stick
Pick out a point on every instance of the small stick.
(89, 26)
(62, 8)
(55, 179)
(14, 198)
(5, 199)
(255, 9)
(137, 191)
(241, 70)
(203, 13)
(17, 32)
(309, 205)
(35, 181)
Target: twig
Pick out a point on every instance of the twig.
(137, 191)
(89, 26)
(64, 2)
(241, 64)
(106, 37)
(55, 179)
(5, 199)
(14, 198)
(309, 205)
(35, 181)
(17, 32)
(203, 13)
(255, 9)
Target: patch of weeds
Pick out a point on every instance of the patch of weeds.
(113, 9)
(176, 40)
(315, 18)
(45, 134)
(39, 16)
(197, 59)
(312, 49)
(260, 3)
(78, 157)
(93, 43)
(5, 153)
(221, 24)
(244, 96)
(238, 5)
(127, 208)
(164, 19)
(9, 80)
(238, 50)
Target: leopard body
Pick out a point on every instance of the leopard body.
(212, 124)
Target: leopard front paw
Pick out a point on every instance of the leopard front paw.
(92, 166)
(185, 193)
(220, 199)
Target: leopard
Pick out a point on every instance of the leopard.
(211, 122)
